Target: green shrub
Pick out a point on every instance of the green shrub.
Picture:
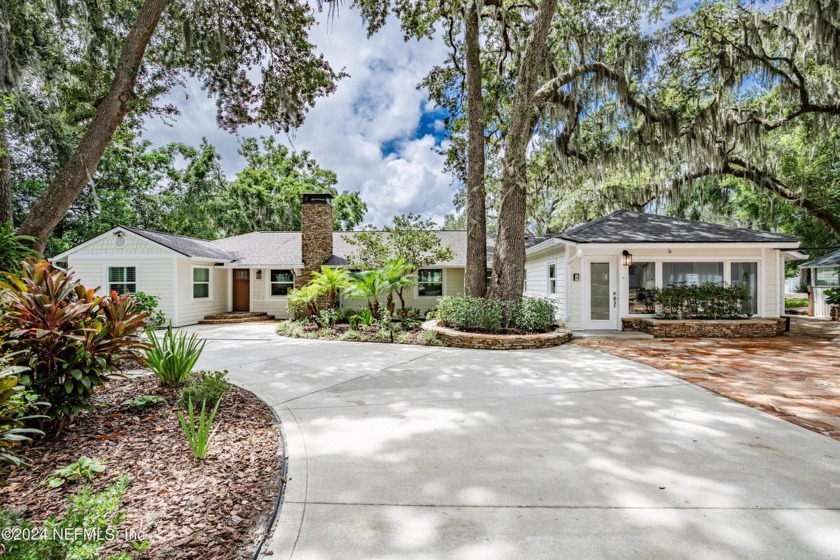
(704, 301)
(790, 303)
(207, 386)
(430, 338)
(15, 403)
(474, 314)
(70, 339)
(83, 467)
(832, 296)
(172, 357)
(14, 249)
(383, 335)
(404, 338)
(88, 511)
(150, 304)
(142, 402)
(350, 335)
(362, 318)
(198, 429)
(290, 327)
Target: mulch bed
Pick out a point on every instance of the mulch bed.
(366, 334)
(216, 508)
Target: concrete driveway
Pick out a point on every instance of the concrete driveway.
(408, 452)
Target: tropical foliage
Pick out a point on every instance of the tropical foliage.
(13, 416)
(704, 301)
(14, 249)
(173, 356)
(199, 430)
(70, 339)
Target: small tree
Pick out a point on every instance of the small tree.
(397, 275)
(410, 239)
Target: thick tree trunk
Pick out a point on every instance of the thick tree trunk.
(509, 256)
(51, 206)
(5, 158)
(475, 283)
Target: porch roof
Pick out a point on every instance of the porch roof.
(831, 259)
(638, 227)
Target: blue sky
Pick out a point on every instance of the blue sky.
(377, 131)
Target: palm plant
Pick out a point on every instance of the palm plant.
(329, 283)
(397, 275)
(369, 285)
(304, 300)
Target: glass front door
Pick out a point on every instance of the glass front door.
(601, 300)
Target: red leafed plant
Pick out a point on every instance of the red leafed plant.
(70, 338)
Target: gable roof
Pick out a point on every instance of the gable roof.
(187, 246)
(638, 227)
(831, 259)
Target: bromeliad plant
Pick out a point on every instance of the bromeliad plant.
(173, 357)
(199, 430)
(70, 339)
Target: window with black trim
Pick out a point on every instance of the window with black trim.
(281, 282)
(430, 282)
(122, 279)
(201, 283)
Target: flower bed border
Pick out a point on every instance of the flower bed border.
(704, 328)
(486, 341)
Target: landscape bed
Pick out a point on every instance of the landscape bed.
(183, 508)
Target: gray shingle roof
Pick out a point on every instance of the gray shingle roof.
(831, 259)
(637, 227)
(188, 246)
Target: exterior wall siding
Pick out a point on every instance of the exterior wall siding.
(134, 245)
(154, 276)
(536, 269)
(262, 302)
(191, 312)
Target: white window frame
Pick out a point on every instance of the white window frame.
(549, 278)
(108, 282)
(657, 283)
(269, 283)
(727, 277)
(209, 283)
(442, 283)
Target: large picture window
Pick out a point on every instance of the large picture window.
(122, 279)
(201, 283)
(691, 273)
(642, 281)
(281, 282)
(827, 276)
(430, 282)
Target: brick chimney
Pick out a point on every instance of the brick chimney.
(316, 234)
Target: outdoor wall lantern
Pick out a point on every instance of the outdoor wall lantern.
(626, 258)
(576, 277)
(259, 274)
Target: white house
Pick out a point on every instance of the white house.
(597, 272)
(825, 275)
(600, 272)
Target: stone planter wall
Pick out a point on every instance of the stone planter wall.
(696, 328)
(480, 341)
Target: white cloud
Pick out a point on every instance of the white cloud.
(379, 105)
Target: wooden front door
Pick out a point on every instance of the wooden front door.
(241, 289)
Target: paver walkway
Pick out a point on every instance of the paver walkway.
(409, 452)
(795, 377)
